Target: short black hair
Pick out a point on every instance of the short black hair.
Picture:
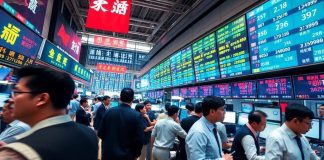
(105, 98)
(298, 111)
(167, 105)
(75, 96)
(59, 85)
(190, 107)
(83, 100)
(147, 102)
(198, 107)
(173, 109)
(127, 95)
(139, 106)
(256, 116)
(211, 102)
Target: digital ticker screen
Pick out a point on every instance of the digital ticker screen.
(223, 90)
(206, 90)
(286, 33)
(182, 67)
(192, 92)
(205, 58)
(246, 89)
(309, 86)
(280, 87)
(163, 74)
(233, 49)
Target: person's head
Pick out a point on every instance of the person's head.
(75, 96)
(7, 112)
(41, 93)
(299, 118)
(258, 120)
(198, 108)
(147, 105)
(213, 108)
(94, 100)
(321, 110)
(127, 95)
(106, 100)
(140, 107)
(190, 107)
(173, 111)
(84, 102)
(167, 105)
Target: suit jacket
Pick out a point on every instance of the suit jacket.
(99, 115)
(83, 117)
(122, 133)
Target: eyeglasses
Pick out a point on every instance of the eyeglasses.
(15, 93)
(308, 123)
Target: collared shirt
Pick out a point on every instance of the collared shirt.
(281, 145)
(74, 105)
(201, 143)
(248, 143)
(221, 129)
(252, 130)
(14, 128)
(165, 132)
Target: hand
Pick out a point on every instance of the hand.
(145, 116)
(228, 157)
(2, 143)
(177, 120)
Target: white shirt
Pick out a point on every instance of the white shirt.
(250, 148)
(221, 129)
(282, 145)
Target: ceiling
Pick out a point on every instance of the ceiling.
(149, 21)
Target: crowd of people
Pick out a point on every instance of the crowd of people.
(43, 123)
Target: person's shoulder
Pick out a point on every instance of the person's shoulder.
(198, 126)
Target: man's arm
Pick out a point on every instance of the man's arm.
(250, 148)
(8, 154)
(273, 149)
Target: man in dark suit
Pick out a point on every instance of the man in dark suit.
(82, 116)
(101, 111)
(121, 130)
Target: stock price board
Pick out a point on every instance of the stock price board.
(181, 67)
(223, 90)
(246, 89)
(280, 88)
(206, 90)
(205, 58)
(286, 33)
(233, 49)
(163, 74)
(309, 86)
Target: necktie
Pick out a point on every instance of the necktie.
(216, 137)
(300, 147)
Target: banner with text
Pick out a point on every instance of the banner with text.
(111, 68)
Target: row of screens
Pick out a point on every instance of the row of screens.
(277, 35)
(302, 87)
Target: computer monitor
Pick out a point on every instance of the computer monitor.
(243, 118)
(322, 131)
(273, 114)
(230, 117)
(247, 107)
(183, 114)
(315, 131)
(229, 107)
(271, 126)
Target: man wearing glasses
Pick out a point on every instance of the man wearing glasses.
(40, 99)
(288, 141)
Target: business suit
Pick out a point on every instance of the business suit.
(122, 133)
(83, 117)
(99, 115)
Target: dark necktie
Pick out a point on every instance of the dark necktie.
(216, 137)
(300, 147)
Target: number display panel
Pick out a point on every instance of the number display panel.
(280, 87)
(246, 89)
(286, 33)
(223, 90)
(206, 90)
(162, 74)
(309, 86)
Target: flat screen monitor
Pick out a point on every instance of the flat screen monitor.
(230, 117)
(247, 107)
(206, 90)
(229, 107)
(318, 109)
(322, 131)
(309, 86)
(175, 92)
(246, 89)
(243, 118)
(273, 114)
(183, 114)
(192, 92)
(277, 88)
(315, 131)
(271, 126)
(223, 90)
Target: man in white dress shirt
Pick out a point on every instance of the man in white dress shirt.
(288, 141)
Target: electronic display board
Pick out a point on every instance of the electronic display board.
(246, 89)
(233, 52)
(206, 90)
(163, 74)
(286, 33)
(192, 92)
(182, 67)
(280, 87)
(175, 92)
(183, 92)
(309, 86)
(145, 82)
(205, 59)
(159, 93)
(222, 90)
(152, 80)
(151, 94)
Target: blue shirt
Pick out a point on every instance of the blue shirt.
(74, 105)
(201, 143)
(14, 128)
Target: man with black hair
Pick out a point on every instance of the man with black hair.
(288, 141)
(122, 130)
(245, 144)
(190, 107)
(165, 113)
(40, 99)
(82, 115)
(101, 111)
(203, 141)
(164, 133)
(186, 124)
(152, 122)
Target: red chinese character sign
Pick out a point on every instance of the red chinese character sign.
(110, 42)
(111, 68)
(109, 15)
